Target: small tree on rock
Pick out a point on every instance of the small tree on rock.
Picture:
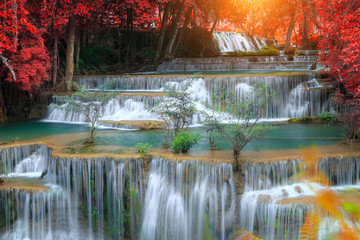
(242, 114)
(176, 109)
(87, 103)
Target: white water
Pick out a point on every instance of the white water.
(188, 200)
(268, 184)
(183, 200)
(173, 200)
(230, 41)
(295, 96)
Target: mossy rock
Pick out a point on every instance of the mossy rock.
(306, 119)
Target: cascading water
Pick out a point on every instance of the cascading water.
(306, 99)
(25, 158)
(188, 200)
(230, 41)
(108, 193)
(295, 95)
(109, 198)
(275, 204)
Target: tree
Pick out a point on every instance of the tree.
(24, 59)
(244, 114)
(339, 41)
(349, 114)
(340, 54)
(90, 104)
(176, 109)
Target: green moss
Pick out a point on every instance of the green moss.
(265, 51)
(308, 119)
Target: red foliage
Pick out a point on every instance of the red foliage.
(340, 40)
(30, 64)
(24, 60)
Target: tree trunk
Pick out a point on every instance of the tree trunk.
(91, 138)
(304, 32)
(236, 164)
(70, 42)
(56, 60)
(211, 31)
(174, 31)
(77, 55)
(162, 33)
(290, 28)
(181, 36)
(2, 107)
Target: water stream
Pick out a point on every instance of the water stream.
(110, 198)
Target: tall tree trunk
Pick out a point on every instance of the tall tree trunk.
(162, 32)
(2, 107)
(181, 35)
(78, 49)
(56, 60)
(70, 42)
(174, 31)
(211, 31)
(129, 36)
(290, 28)
(304, 32)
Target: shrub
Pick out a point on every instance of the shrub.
(265, 51)
(327, 116)
(143, 149)
(2, 172)
(183, 141)
(305, 119)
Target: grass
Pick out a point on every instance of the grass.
(265, 51)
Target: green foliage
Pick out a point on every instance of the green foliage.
(327, 116)
(265, 51)
(86, 103)
(96, 57)
(183, 141)
(143, 149)
(176, 109)
(243, 113)
(305, 119)
(2, 172)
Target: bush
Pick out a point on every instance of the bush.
(305, 119)
(327, 116)
(143, 149)
(265, 51)
(2, 172)
(183, 141)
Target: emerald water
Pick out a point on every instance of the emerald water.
(33, 129)
(285, 136)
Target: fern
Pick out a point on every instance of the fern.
(246, 236)
(310, 229)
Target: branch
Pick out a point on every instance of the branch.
(6, 62)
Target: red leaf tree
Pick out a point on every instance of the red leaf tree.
(340, 53)
(24, 60)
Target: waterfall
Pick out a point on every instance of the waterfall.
(111, 198)
(295, 95)
(123, 107)
(275, 203)
(230, 41)
(38, 215)
(102, 198)
(25, 158)
(188, 200)
(110, 189)
(304, 100)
